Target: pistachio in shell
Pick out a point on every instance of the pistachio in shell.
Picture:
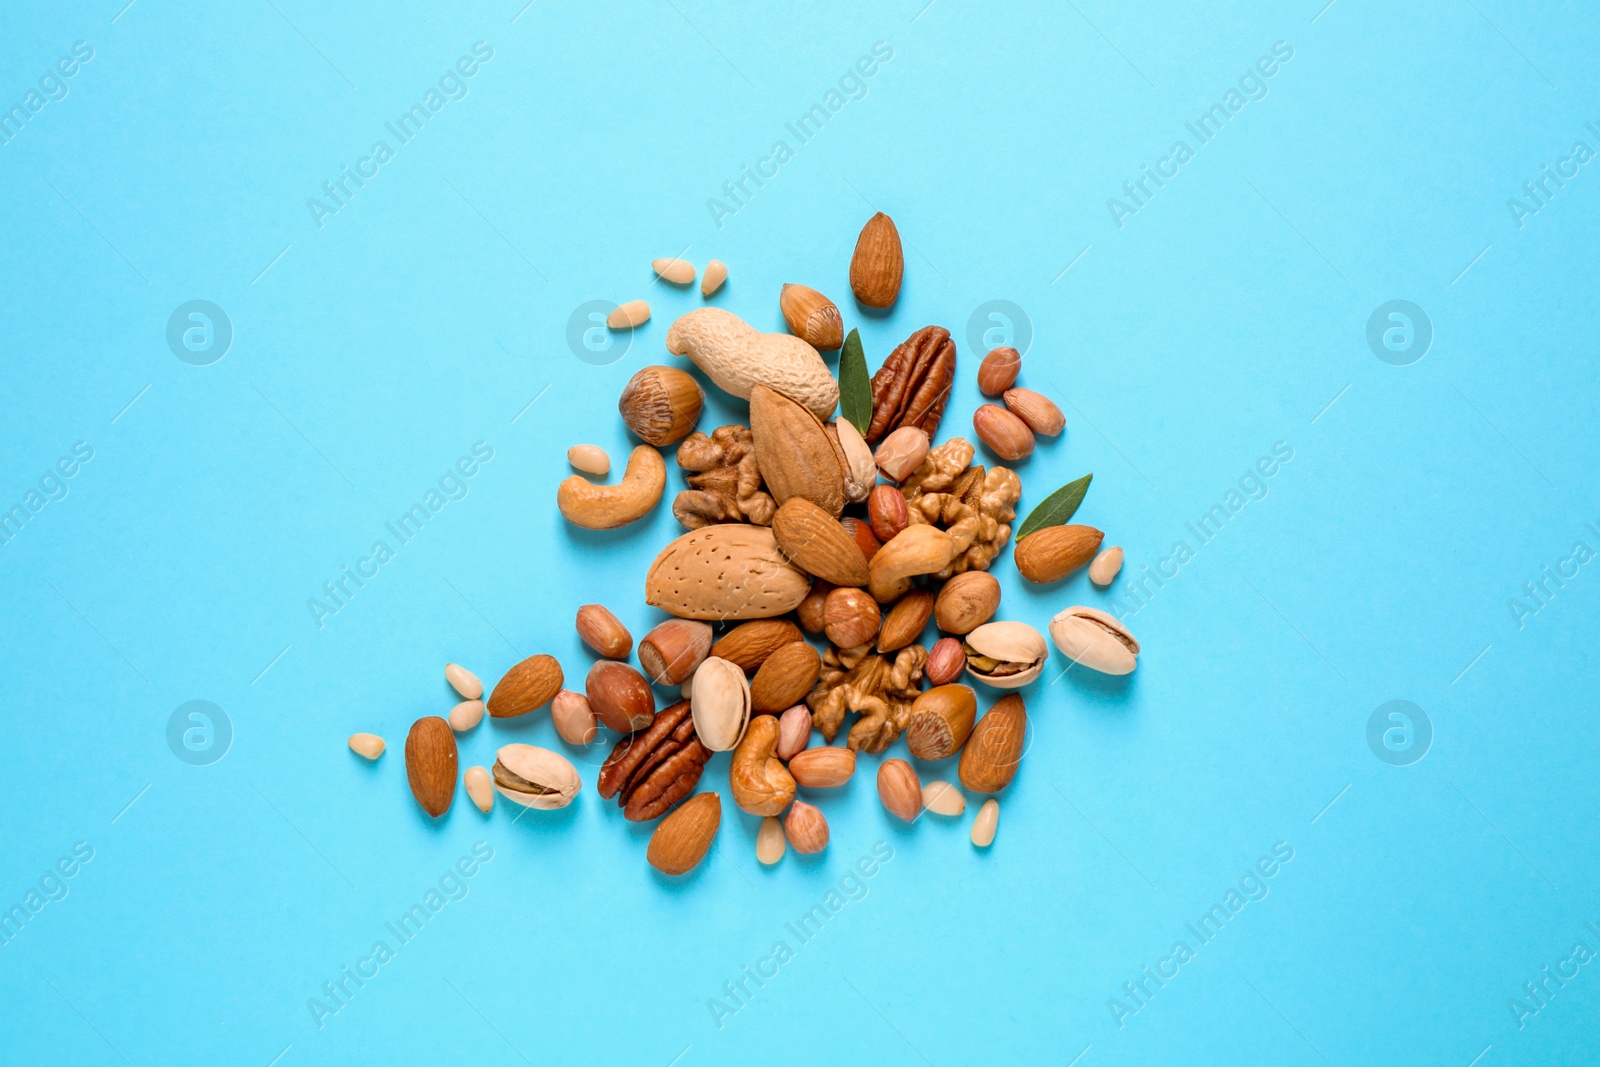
(535, 777)
(1005, 655)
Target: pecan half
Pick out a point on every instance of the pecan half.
(913, 385)
(650, 771)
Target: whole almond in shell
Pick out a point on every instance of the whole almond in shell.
(431, 764)
(966, 602)
(1006, 435)
(529, 685)
(725, 571)
(906, 620)
(825, 767)
(670, 652)
(818, 544)
(684, 837)
(793, 452)
(899, 789)
(941, 721)
(604, 632)
(749, 644)
(785, 678)
(994, 750)
(620, 696)
(1050, 554)
(878, 263)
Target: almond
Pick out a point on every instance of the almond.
(994, 750)
(941, 720)
(1037, 410)
(805, 828)
(899, 789)
(1006, 435)
(998, 371)
(1052, 553)
(812, 317)
(878, 263)
(906, 620)
(815, 542)
(529, 685)
(749, 644)
(726, 571)
(850, 617)
(793, 451)
(966, 602)
(785, 678)
(826, 767)
(670, 652)
(685, 836)
(431, 764)
(620, 696)
(604, 632)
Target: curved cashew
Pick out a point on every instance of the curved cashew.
(738, 357)
(918, 549)
(605, 507)
(761, 784)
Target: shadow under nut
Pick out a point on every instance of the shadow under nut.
(606, 507)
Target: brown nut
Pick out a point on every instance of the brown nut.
(906, 620)
(904, 450)
(899, 789)
(785, 678)
(431, 764)
(529, 685)
(1037, 410)
(916, 550)
(865, 539)
(760, 783)
(998, 371)
(794, 731)
(941, 720)
(1006, 435)
(620, 696)
(913, 385)
(811, 316)
(649, 771)
(990, 760)
(1053, 552)
(850, 617)
(604, 632)
(966, 602)
(573, 717)
(661, 405)
(806, 828)
(684, 837)
(887, 511)
(749, 644)
(670, 652)
(878, 263)
(817, 543)
(825, 767)
(810, 610)
(946, 662)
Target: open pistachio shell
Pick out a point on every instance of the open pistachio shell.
(719, 702)
(535, 777)
(1096, 640)
(1006, 655)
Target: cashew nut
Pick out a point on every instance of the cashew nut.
(761, 784)
(738, 357)
(918, 549)
(605, 507)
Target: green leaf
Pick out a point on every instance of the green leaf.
(1056, 509)
(855, 387)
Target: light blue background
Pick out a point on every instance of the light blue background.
(369, 354)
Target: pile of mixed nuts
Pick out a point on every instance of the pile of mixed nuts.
(858, 528)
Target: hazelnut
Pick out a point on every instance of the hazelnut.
(850, 617)
(865, 539)
(661, 405)
(620, 696)
(810, 610)
(670, 653)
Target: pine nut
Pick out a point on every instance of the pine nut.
(676, 271)
(463, 681)
(480, 788)
(369, 746)
(983, 827)
(770, 842)
(942, 798)
(716, 273)
(627, 316)
(465, 715)
(590, 459)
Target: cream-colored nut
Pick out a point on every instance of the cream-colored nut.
(720, 704)
(760, 783)
(942, 798)
(716, 273)
(1096, 640)
(367, 746)
(1103, 571)
(901, 453)
(738, 357)
(590, 459)
(676, 271)
(794, 731)
(806, 828)
(860, 469)
(1006, 655)
(627, 316)
(480, 788)
(605, 507)
(463, 681)
(465, 715)
(770, 842)
(916, 550)
(573, 717)
(984, 826)
(535, 777)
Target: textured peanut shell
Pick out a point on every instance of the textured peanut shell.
(738, 357)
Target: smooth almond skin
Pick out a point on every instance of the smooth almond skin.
(604, 632)
(993, 752)
(966, 602)
(998, 371)
(794, 732)
(716, 273)
(806, 828)
(761, 784)
(620, 696)
(367, 746)
(812, 317)
(899, 789)
(814, 541)
(606, 507)
(738, 357)
(942, 798)
(878, 264)
(574, 719)
(1096, 640)
(480, 788)
(793, 451)
(750, 643)
(984, 826)
(670, 652)
(1038, 411)
(431, 764)
(661, 405)
(1050, 554)
(906, 620)
(785, 678)
(850, 617)
(1006, 435)
(770, 842)
(826, 767)
(725, 571)
(946, 662)
(528, 686)
(941, 720)
(684, 837)
(719, 703)
(1106, 566)
(463, 681)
